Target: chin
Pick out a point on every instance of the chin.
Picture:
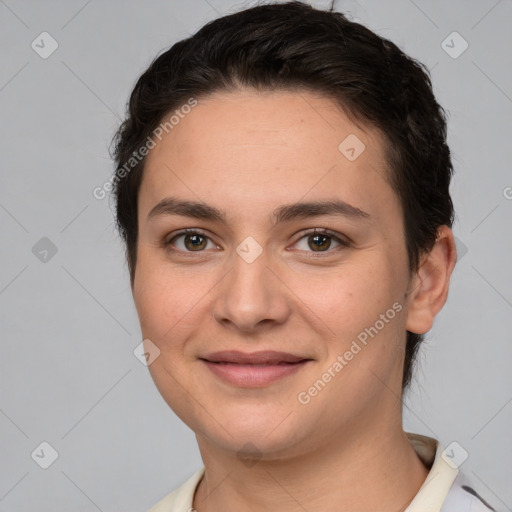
(263, 438)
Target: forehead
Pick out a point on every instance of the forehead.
(262, 146)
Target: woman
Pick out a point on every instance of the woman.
(282, 188)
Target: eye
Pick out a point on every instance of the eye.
(320, 241)
(316, 241)
(193, 240)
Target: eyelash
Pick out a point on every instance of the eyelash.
(316, 231)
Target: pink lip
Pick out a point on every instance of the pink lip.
(262, 357)
(255, 369)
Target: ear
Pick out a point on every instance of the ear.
(429, 287)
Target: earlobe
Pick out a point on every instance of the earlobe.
(429, 287)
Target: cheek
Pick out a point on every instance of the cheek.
(169, 302)
(349, 301)
(161, 314)
(155, 297)
(350, 293)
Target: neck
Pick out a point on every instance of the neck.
(358, 473)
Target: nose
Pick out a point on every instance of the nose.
(251, 297)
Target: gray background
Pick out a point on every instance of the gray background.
(68, 373)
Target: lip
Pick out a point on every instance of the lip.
(253, 370)
(262, 357)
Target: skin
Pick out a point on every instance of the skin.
(247, 153)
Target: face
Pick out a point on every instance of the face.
(296, 246)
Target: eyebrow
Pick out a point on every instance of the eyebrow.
(283, 213)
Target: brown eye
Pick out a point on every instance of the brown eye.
(320, 242)
(189, 241)
(195, 242)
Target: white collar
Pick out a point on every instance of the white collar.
(442, 474)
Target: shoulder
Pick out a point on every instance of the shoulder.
(463, 497)
(181, 499)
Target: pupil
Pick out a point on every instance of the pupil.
(316, 238)
(196, 241)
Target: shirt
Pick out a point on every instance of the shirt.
(445, 489)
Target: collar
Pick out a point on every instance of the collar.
(442, 474)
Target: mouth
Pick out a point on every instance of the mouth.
(252, 370)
